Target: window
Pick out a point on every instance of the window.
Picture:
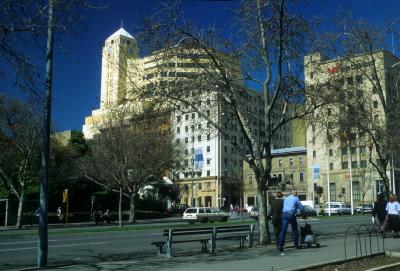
(354, 164)
(193, 116)
(178, 130)
(350, 80)
(250, 179)
(363, 164)
(362, 149)
(208, 136)
(186, 129)
(187, 117)
(301, 160)
(332, 190)
(345, 165)
(178, 118)
(353, 150)
(330, 152)
(186, 140)
(199, 185)
(192, 128)
(314, 154)
(192, 138)
(199, 138)
(225, 161)
(208, 173)
(330, 166)
(225, 149)
(301, 176)
(291, 161)
(208, 113)
(344, 151)
(208, 161)
(356, 191)
(208, 184)
(375, 104)
(178, 141)
(359, 79)
(186, 152)
(186, 162)
(208, 148)
(280, 162)
(199, 126)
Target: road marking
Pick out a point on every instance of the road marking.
(69, 245)
(25, 242)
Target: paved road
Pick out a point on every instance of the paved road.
(20, 252)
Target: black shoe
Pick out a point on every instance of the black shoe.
(280, 249)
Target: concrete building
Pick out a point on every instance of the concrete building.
(215, 180)
(340, 165)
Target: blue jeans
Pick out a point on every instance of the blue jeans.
(286, 219)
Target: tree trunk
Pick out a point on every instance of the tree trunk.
(132, 218)
(121, 224)
(20, 206)
(265, 237)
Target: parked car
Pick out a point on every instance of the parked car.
(204, 214)
(308, 211)
(365, 208)
(253, 213)
(345, 210)
(336, 208)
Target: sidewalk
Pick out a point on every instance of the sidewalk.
(233, 259)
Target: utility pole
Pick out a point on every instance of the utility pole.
(43, 233)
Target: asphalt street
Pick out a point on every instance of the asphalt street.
(92, 247)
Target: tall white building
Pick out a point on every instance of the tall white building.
(215, 181)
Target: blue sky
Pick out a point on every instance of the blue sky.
(78, 63)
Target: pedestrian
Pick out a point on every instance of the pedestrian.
(392, 217)
(107, 217)
(231, 208)
(379, 212)
(60, 214)
(290, 206)
(276, 215)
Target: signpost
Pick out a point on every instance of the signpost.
(65, 200)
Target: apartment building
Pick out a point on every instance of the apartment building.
(340, 164)
(211, 170)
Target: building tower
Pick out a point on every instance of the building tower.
(117, 49)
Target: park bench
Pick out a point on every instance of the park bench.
(239, 232)
(205, 236)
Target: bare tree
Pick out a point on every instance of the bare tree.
(272, 42)
(130, 152)
(365, 93)
(19, 141)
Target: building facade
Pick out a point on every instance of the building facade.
(289, 168)
(340, 164)
(211, 170)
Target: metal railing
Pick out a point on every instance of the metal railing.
(364, 236)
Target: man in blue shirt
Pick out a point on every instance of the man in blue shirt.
(290, 205)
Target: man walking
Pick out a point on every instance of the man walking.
(290, 205)
(276, 214)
